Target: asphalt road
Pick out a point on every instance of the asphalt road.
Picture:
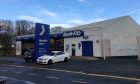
(76, 71)
(29, 75)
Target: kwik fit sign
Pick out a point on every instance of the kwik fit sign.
(75, 33)
(42, 39)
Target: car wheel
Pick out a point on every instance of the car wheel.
(66, 59)
(50, 62)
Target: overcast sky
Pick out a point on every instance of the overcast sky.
(68, 13)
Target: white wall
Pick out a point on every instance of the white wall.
(122, 37)
(70, 41)
(93, 36)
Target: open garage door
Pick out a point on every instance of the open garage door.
(27, 45)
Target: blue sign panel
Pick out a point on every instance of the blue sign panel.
(75, 33)
(57, 36)
(25, 38)
(42, 39)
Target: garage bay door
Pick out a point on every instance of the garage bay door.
(87, 48)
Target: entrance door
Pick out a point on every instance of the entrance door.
(107, 50)
(73, 49)
(87, 48)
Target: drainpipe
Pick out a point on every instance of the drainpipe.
(138, 47)
(102, 44)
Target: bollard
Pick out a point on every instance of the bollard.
(2, 81)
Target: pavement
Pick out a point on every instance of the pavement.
(12, 58)
(79, 70)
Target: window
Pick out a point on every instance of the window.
(60, 53)
(97, 41)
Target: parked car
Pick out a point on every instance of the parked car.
(55, 56)
(29, 56)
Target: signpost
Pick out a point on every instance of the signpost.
(42, 39)
(18, 48)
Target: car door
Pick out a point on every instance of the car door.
(59, 56)
(62, 56)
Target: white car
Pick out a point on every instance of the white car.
(55, 56)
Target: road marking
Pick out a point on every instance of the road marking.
(17, 72)
(116, 77)
(81, 82)
(80, 79)
(32, 74)
(4, 70)
(51, 77)
(29, 83)
(75, 72)
(13, 80)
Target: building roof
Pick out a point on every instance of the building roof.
(26, 35)
(101, 24)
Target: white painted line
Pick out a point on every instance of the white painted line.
(116, 77)
(81, 82)
(4, 70)
(51, 77)
(29, 83)
(17, 72)
(32, 74)
(82, 73)
(80, 79)
(15, 80)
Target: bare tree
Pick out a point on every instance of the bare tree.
(6, 34)
(57, 29)
(24, 27)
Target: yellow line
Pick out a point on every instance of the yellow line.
(75, 72)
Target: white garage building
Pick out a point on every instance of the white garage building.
(114, 37)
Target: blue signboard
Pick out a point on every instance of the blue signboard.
(75, 33)
(57, 36)
(42, 39)
(25, 38)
